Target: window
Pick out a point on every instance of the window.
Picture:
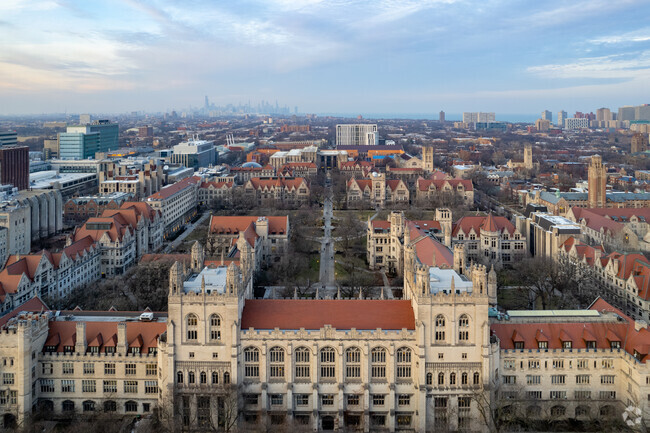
(277, 399)
(67, 406)
(215, 378)
(582, 411)
(151, 369)
(203, 378)
(463, 379)
(542, 344)
(68, 368)
(47, 368)
(129, 369)
(533, 364)
(463, 328)
(533, 380)
(440, 328)
(558, 379)
(276, 360)
(403, 399)
(191, 378)
(88, 386)
(378, 363)
(191, 322)
(615, 344)
(566, 345)
(353, 399)
(477, 378)
(109, 369)
(302, 399)
(509, 364)
(429, 378)
(464, 407)
(88, 406)
(130, 386)
(131, 406)
(377, 420)
(558, 411)
(607, 363)
(302, 363)
(558, 395)
(519, 345)
(558, 363)
(47, 385)
(378, 399)
(67, 386)
(534, 395)
(250, 399)
(353, 363)
(110, 386)
(452, 379)
(110, 406)
(509, 380)
(7, 378)
(591, 344)
(608, 395)
(251, 362)
(215, 327)
(89, 368)
(404, 363)
(327, 363)
(607, 379)
(583, 364)
(327, 399)
(582, 395)
(179, 377)
(582, 379)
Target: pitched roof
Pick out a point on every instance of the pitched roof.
(489, 223)
(235, 224)
(170, 190)
(425, 184)
(140, 334)
(428, 250)
(340, 314)
(276, 182)
(34, 305)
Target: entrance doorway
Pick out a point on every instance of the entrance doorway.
(328, 423)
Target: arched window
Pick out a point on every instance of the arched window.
(191, 321)
(452, 379)
(463, 328)
(251, 362)
(179, 377)
(276, 361)
(89, 406)
(353, 363)
(226, 378)
(582, 411)
(404, 363)
(477, 378)
(327, 363)
(110, 406)
(378, 363)
(440, 327)
(441, 378)
(190, 377)
(215, 327)
(215, 377)
(607, 411)
(463, 379)
(130, 406)
(558, 411)
(429, 378)
(67, 406)
(203, 377)
(302, 363)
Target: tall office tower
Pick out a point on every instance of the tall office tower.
(597, 181)
(547, 115)
(474, 117)
(8, 138)
(603, 115)
(441, 119)
(84, 119)
(625, 112)
(207, 103)
(642, 112)
(14, 166)
(357, 135)
(639, 143)
(108, 135)
(561, 118)
(78, 142)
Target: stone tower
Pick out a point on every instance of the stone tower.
(460, 258)
(443, 216)
(198, 257)
(597, 182)
(492, 287)
(427, 158)
(378, 184)
(528, 157)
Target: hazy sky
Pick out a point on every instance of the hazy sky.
(378, 56)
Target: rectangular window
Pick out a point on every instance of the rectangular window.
(277, 399)
(7, 378)
(509, 380)
(68, 368)
(152, 369)
(607, 379)
(533, 364)
(533, 380)
(250, 399)
(542, 344)
(558, 379)
(558, 395)
(150, 387)
(582, 379)
(47, 385)
(130, 386)
(608, 395)
(403, 399)
(582, 395)
(67, 386)
(88, 386)
(110, 386)
(89, 368)
(582, 364)
(558, 363)
(509, 364)
(607, 363)
(129, 369)
(378, 399)
(534, 395)
(109, 368)
(302, 399)
(353, 399)
(48, 368)
(327, 399)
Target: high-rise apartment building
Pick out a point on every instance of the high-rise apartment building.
(543, 125)
(547, 115)
(639, 143)
(357, 135)
(576, 123)
(597, 182)
(625, 112)
(603, 115)
(441, 119)
(475, 117)
(561, 118)
(78, 142)
(14, 166)
(8, 138)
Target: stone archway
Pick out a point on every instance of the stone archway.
(9, 420)
(327, 423)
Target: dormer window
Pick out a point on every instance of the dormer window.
(615, 344)
(153, 350)
(566, 345)
(542, 344)
(109, 349)
(68, 349)
(519, 345)
(93, 349)
(134, 350)
(50, 349)
(591, 344)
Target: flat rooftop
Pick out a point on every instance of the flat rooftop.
(440, 281)
(213, 278)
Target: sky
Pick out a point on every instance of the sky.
(377, 56)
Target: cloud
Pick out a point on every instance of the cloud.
(640, 35)
(616, 66)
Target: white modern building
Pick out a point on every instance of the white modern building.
(357, 135)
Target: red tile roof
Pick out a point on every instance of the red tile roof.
(425, 184)
(235, 224)
(170, 190)
(488, 223)
(340, 314)
(277, 182)
(34, 305)
(595, 221)
(428, 250)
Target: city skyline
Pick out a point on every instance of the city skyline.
(325, 57)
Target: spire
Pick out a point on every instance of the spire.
(360, 293)
(381, 295)
(338, 293)
(203, 284)
(295, 293)
(453, 284)
(222, 257)
(316, 296)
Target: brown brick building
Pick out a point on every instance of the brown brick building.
(14, 166)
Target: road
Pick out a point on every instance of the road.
(176, 242)
(327, 244)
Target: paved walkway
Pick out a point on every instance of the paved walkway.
(176, 242)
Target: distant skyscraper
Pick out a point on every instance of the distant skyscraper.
(8, 138)
(625, 113)
(547, 115)
(543, 125)
(639, 143)
(78, 142)
(576, 123)
(84, 119)
(357, 135)
(108, 135)
(474, 117)
(603, 115)
(561, 118)
(14, 166)
(442, 117)
(597, 182)
(207, 103)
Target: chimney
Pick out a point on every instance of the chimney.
(122, 344)
(80, 344)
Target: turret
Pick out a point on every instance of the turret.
(397, 223)
(233, 280)
(460, 258)
(175, 279)
(198, 257)
(492, 287)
